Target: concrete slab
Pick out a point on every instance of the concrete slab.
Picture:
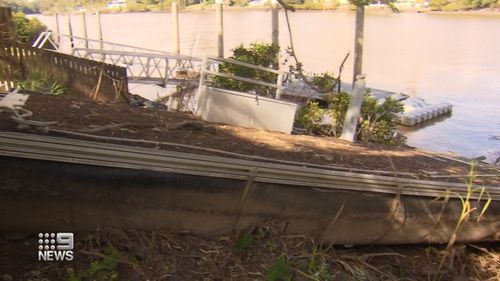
(14, 99)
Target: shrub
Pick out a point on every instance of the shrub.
(136, 7)
(27, 30)
(238, 3)
(316, 5)
(42, 82)
(376, 123)
(258, 54)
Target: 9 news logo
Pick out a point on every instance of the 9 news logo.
(55, 246)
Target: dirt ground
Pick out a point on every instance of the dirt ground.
(260, 253)
(84, 115)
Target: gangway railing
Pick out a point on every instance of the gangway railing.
(143, 65)
(209, 62)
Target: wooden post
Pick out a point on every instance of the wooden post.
(358, 42)
(99, 30)
(204, 66)
(70, 28)
(279, 83)
(201, 86)
(58, 30)
(354, 110)
(175, 28)
(85, 35)
(220, 28)
(275, 23)
(7, 28)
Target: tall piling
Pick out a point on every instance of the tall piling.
(358, 42)
(175, 28)
(220, 28)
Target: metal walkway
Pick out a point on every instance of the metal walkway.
(143, 65)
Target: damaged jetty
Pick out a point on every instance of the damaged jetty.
(87, 166)
(87, 158)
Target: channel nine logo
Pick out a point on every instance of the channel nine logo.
(55, 246)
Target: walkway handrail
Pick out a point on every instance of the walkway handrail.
(137, 54)
(113, 44)
(209, 60)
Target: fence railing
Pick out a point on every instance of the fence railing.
(81, 76)
(208, 61)
(143, 65)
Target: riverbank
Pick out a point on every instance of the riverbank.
(80, 114)
(299, 7)
(260, 253)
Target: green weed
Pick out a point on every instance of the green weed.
(102, 269)
(280, 270)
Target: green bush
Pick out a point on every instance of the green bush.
(317, 5)
(376, 123)
(459, 5)
(136, 7)
(257, 54)
(41, 82)
(238, 3)
(27, 30)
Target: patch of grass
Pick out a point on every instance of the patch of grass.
(244, 241)
(102, 269)
(279, 271)
(41, 82)
(467, 210)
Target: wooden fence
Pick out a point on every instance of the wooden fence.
(80, 76)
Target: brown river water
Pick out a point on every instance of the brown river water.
(438, 57)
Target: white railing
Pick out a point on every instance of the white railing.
(143, 65)
(210, 61)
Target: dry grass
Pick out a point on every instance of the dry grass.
(263, 253)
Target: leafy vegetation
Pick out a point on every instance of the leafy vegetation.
(258, 54)
(27, 30)
(102, 269)
(244, 241)
(458, 5)
(376, 125)
(25, 6)
(468, 209)
(314, 4)
(279, 271)
(41, 82)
